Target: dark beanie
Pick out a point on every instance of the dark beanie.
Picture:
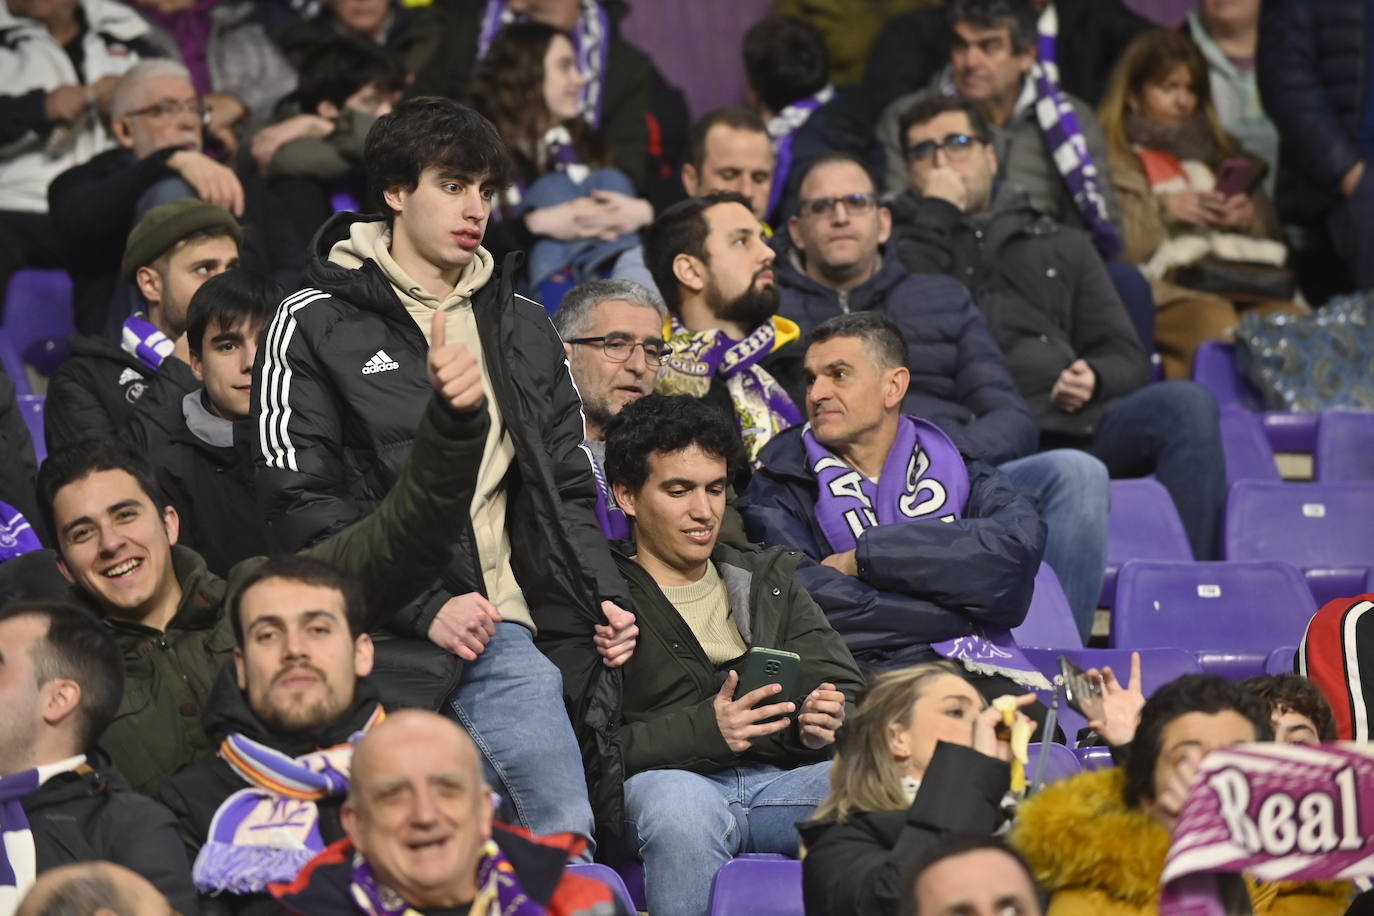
(164, 226)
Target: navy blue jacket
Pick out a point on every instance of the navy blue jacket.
(918, 583)
(959, 379)
(1312, 70)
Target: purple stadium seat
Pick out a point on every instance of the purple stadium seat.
(1280, 661)
(1249, 456)
(31, 408)
(1059, 765)
(1325, 529)
(607, 876)
(1214, 367)
(344, 198)
(1095, 758)
(758, 885)
(38, 317)
(631, 872)
(1143, 525)
(1049, 622)
(1230, 615)
(1345, 447)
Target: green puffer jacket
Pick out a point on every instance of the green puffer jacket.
(669, 683)
(394, 553)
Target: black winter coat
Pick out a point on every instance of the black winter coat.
(1044, 291)
(959, 380)
(858, 867)
(917, 583)
(91, 814)
(1313, 75)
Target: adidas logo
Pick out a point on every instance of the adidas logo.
(380, 362)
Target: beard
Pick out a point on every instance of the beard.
(293, 714)
(750, 309)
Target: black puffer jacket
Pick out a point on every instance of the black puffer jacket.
(1313, 74)
(1044, 291)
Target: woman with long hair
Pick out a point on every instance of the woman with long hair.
(1192, 209)
(567, 191)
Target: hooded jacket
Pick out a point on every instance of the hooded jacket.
(918, 583)
(1044, 291)
(1098, 857)
(959, 380)
(91, 814)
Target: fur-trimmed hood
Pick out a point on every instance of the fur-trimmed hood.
(1079, 835)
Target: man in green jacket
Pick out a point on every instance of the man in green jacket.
(711, 774)
(116, 543)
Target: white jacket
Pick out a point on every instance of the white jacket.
(30, 59)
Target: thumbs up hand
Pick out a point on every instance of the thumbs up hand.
(452, 369)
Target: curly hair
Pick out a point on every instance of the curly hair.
(1295, 693)
(668, 424)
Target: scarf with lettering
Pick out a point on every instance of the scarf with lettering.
(923, 478)
(141, 339)
(762, 407)
(16, 536)
(591, 39)
(18, 860)
(270, 830)
(781, 129)
(498, 889)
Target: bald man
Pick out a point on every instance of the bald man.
(419, 816)
(94, 889)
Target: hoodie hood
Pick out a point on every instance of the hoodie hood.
(372, 240)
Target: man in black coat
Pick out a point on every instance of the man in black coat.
(1056, 317)
(62, 682)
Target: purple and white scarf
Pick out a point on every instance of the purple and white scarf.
(923, 478)
(498, 889)
(762, 407)
(16, 535)
(269, 831)
(614, 523)
(1064, 134)
(591, 39)
(18, 860)
(141, 339)
(781, 129)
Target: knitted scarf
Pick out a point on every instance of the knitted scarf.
(18, 860)
(591, 39)
(270, 830)
(141, 339)
(498, 890)
(762, 408)
(16, 536)
(781, 129)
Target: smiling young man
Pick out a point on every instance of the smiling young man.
(337, 401)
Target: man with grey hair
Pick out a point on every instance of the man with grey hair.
(158, 120)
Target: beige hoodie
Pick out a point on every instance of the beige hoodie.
(372, 240)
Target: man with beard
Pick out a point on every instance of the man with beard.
(715, 271)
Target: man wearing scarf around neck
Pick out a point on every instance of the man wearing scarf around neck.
(61, 800)
(919, 554)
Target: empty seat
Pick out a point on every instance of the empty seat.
(38, 317)
(607, 876)
(758, 885)
(31, 408)
(1280, 661)
(1095, 758)
(1143, 525)
(1249, 456)
(1060, 763)
(1214, 367)
(1326, 530)
(1230, 615)
(1049, 621)
(1345, 447)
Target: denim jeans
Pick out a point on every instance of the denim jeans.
(1170, 429)
(686, 825)
(1072, 493)
(510, 700)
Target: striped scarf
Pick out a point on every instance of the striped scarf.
(16, 535)
(591, 39)
(781, 129)
(141, 339)
(18, 858)
(498, 889)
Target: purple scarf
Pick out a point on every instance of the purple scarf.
(1067, 146)
(190, 29)
(141, 339)
(498, 890)
(591, 39)
(17, 863)
(781, 130)
(16, 536)
(614, 524)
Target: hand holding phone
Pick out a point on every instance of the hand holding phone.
(1082, 692)
(1234, 176)
(742, 720)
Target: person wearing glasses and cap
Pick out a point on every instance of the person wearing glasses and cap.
(158, 120)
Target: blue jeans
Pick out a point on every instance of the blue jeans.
(511, 702)
(1072, 493)
(687, 825)
(1170, 429)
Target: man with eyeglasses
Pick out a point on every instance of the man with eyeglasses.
(1056, 316)
(959, 380)
(158, 121)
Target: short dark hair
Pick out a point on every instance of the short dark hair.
(930, 105)
(431, 131)
(785, 60)
(1017, 16)
(949, 846)
(1296, 694)
(91, 456)
(307, 570)
(883, 338)
(830, 158)
(681, 229)
(226, 300)
(668, 424)
(334, 70)
(737, 118)
(1205, 693)
(77, 647)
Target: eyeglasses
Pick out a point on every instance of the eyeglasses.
(618, 349)
(168, 108)
(853, 203)
(956, 146)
